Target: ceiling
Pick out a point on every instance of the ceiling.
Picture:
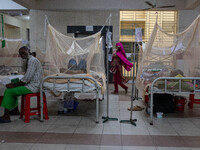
(104, 4)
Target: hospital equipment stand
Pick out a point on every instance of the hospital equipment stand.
(107, 118)
(132, 121)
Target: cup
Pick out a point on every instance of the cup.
(159, 114)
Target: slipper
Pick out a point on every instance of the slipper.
(136, 108)
(114, 92)
(139, 106)
(4, 121)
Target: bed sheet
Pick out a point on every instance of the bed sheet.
(5, 80)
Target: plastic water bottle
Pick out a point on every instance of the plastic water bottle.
(65, 106)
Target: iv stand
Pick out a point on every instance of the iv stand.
(132, 121)
(107, 118)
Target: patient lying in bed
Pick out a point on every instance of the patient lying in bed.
(73, 68)
(186, 85)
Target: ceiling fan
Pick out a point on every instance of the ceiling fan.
(154, 5)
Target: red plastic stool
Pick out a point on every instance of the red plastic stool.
(192, 100)
(27, 110)
(1, 99)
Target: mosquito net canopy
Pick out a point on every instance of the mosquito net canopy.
(69, 55)
(170, 55)
(9, 60)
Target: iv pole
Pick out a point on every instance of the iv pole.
(107, 118)
(132, 121)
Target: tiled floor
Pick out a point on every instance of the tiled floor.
(78, 131)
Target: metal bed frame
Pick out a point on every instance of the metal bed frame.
(68, 77)
(165, 89)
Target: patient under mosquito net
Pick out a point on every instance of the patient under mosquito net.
(69, 55)
(168, 55)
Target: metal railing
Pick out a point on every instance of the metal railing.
(67, 77)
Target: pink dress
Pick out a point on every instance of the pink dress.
(118, 60)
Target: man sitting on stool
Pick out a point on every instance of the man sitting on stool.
(30, 83)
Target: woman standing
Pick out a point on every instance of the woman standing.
(118, 60)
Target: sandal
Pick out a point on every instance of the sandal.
(114, 92)
(4, 121)
(136, 108)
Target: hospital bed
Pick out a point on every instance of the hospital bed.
(180, 88)
(72, 83)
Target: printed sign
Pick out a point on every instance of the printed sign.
(89, 28)
(138, 34)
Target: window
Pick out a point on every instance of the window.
(130, 20)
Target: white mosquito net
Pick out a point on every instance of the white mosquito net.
(69, 55)
(170, 55)
(9, 60)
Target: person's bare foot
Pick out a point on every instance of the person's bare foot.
(126, 90)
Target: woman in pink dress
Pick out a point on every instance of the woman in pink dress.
(118, 60)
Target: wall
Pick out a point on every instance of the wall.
(186, 17)
(14, 28)
(60, 20)
(12, 32)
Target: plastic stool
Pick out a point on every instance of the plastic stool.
(193, 100)
(27, 110)
(1, 99)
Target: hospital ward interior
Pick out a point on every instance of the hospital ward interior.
(100, 75)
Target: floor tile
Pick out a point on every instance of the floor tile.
(55, 138)
(61, 129)
(16, 146)
(112, 130)
(138, 148)
(85, 139)
(192, 141)
(129, 129)
(169, 141)
(35, 127)
(68, 120)
(137, 140)
(172, 148)
(96, 129)
(188, 131)
(82, 147)
(49, 147)
(16, 125)
(88, 121)
(22, 137)
(158, 130)
(111, 140)
(110, 147)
